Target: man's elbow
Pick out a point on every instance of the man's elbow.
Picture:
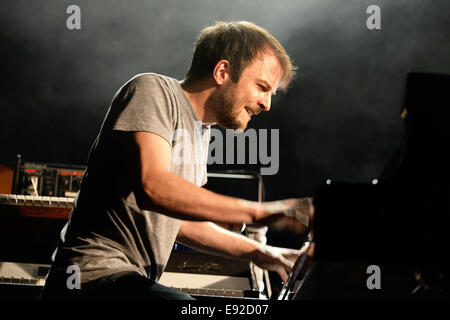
(150, 193)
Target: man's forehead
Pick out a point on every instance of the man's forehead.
(267, 68)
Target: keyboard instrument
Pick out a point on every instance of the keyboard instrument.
(23, 273)
(38, 206)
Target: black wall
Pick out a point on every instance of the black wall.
(339, 120)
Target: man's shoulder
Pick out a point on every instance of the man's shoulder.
(150, 78)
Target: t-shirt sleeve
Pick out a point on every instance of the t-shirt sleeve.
(144, 104)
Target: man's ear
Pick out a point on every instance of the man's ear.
(221, 72)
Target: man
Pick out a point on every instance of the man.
(142, 189)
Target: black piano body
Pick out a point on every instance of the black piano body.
(401, 222)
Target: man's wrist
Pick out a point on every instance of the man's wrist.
(254, 209)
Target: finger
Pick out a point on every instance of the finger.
(300, 209)
(300, 203)
(292, 255)
(278, 206)
(283, 275)
(286, 268)
(303, 211)
(272, 207)
(287, 264)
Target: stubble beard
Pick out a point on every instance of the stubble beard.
(223, 107)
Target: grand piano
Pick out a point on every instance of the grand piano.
(398, 224)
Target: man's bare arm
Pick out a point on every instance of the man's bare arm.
(149, 156)
(210, 238)
(170, 194)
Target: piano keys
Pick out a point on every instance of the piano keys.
(22, 281)
(38, 206)
(204, 275)
(23, 273)
(28, 278)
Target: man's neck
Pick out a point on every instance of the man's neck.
(198, 93)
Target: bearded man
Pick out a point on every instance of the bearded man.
(136, 201)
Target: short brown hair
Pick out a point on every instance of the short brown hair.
(239, 42)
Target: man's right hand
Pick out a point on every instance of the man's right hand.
(294, 215)
(280, 260)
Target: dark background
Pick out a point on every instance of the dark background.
(340, 119)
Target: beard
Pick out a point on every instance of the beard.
(222, 104)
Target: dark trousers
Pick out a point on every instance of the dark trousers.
(126, 285)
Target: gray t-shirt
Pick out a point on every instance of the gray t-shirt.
(107, 232)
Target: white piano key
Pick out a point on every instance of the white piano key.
(37, 201)
(45, 200)
(71, 202)
(62, 203)
(29, 200)
(20, 199)
(4, 199)
(12, 199)
(54, 201)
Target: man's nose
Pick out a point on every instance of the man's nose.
(264, 103)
